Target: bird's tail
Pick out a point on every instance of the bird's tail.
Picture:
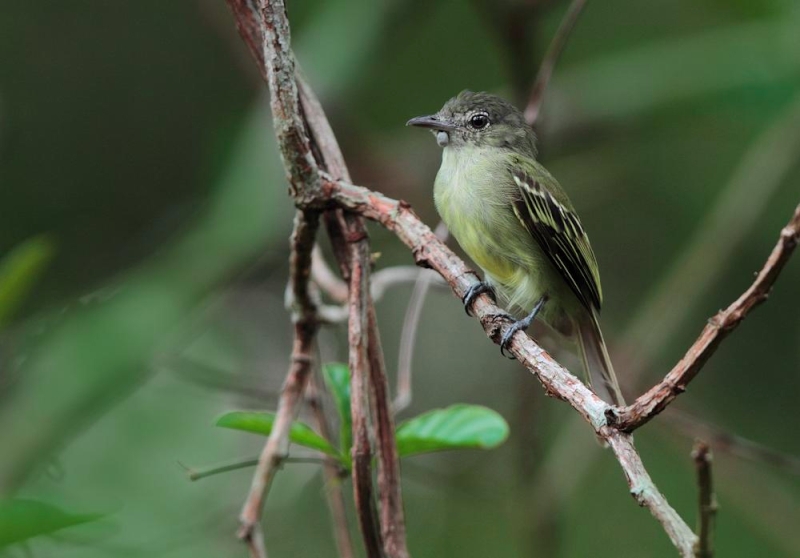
(596, 364)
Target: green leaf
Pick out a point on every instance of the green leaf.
(337, 378)
(23, 519)
(261, 423)
(19, 270)
(456, 427)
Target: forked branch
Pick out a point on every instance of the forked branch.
(314, 189)
(720, 326)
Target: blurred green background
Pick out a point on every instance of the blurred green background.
(143, 236)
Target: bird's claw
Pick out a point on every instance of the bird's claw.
(508, 335)
(474, 291)
(520, 325)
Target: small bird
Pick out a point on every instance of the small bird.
(515, 221)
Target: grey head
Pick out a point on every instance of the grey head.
(479, 119)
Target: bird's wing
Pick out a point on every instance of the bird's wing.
(557, 229)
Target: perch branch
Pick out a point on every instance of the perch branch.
(720, 326)
(557, 381)
(704, 547)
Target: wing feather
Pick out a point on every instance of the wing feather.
(559, 232)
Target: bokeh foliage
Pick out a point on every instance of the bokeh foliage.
(137, 163)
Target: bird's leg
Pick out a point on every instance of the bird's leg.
(474, 291)
(520, 325)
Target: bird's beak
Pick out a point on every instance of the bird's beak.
(432, 121)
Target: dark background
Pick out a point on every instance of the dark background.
(137, 163)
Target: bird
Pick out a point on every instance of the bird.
(514, 220)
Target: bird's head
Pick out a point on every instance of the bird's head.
(479, 120)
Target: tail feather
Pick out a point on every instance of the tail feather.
(596, 363)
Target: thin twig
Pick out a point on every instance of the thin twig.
(513, 24)
(203, 472)
(552, 55)
(408, 336)
(720, 326)
(704, 547)
(305, 328)
(381, 282)
(723, 441)
(197, 474)
(326, 279)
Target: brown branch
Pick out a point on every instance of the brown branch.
(358, 340)
(720, 326)
(352, 229)
(305, 328)
(290, 131)
(332, 474)
(302, 172)
(303, 176)
(393, 526)
(557, 381)
(647, 495)
(766, 162)
(704, 547)
(550, 58)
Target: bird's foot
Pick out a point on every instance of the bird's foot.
(474, 291)
(520, 325)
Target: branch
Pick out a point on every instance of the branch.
(305, 328)
(359, 377)
(353, 229)
(720, 326)
(332, 474)
(295, 148)
(303, 176)
(408, 336)
(557, 381)
(704, 547)
(550, 58)
(314, 190)
(766, 162)
(393, 527)
(647, 495)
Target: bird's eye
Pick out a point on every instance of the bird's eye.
(479, 121)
